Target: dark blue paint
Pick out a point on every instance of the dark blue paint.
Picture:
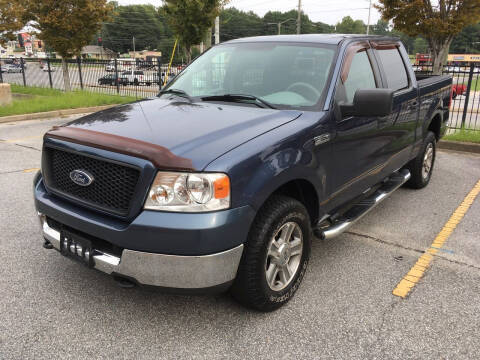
(260, 150)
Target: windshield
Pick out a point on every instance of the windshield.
(281, 74)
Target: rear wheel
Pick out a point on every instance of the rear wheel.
(275, 256)
(422, 166)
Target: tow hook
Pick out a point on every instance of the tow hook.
(47, 244)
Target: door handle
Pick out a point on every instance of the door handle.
(413, 106)
(321, 139)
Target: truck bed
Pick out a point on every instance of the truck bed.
(431, 83)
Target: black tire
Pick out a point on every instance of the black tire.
(250, 287)
(135, 82)
(419, 179)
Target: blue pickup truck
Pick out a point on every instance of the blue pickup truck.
(223, 180)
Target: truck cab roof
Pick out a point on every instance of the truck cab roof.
(330, 39)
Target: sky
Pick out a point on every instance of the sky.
(327, 11)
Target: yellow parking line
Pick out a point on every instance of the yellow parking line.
(24, 138)
(418, 270)
(30, 170)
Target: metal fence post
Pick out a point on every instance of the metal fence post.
(79, 63)
(467, 95)
(159, 71)
(23, 72)
(49, 73)
(1, 74)
(117, 80)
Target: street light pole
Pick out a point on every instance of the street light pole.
(279, 24)
(369, 11)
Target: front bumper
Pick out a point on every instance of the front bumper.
(169, 271)
(152, 231)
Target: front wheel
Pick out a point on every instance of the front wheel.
(422, 166)
(276, 255)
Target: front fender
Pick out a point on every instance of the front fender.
(260, 166)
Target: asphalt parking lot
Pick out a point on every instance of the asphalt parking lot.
(51, 307)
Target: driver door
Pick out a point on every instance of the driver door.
(356, 144)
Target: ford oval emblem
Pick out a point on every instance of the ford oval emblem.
(81, 177)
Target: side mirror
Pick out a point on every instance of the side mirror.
(369, 102)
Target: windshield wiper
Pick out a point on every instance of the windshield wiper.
(177, 92)
(238, 98)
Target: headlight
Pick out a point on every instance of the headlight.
(189, 192)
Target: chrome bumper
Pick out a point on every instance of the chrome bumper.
(172, 271)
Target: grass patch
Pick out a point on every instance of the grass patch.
(475, 84)
(45, 99)
(464, 136)
(31, 90)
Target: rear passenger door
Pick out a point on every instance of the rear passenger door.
(397, 131)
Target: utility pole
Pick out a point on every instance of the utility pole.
(134, 52)
(217, 30)
(369, 11)
(299, 16)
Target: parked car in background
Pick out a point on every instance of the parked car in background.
(10, 68)
(458, 89)
(136, 77)
(122, 65)
(453, 69)
(112, 79)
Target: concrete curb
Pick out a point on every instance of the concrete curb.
(53, 114)
(459, 146)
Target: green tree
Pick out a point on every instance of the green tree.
(236, 24)
(190, 19)
(272, 18)
(380, 28)
(11, 19)
(437, 22)
(141, 22)
(467, 41)
(350, 26)
(420, 46)
(66, 26)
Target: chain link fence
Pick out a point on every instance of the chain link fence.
(140, 78)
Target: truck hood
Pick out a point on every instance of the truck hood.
(195, 133)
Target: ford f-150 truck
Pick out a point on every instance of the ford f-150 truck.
(257, 147)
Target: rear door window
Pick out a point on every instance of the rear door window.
(394, 68)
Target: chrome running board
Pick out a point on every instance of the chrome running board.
(359, 210)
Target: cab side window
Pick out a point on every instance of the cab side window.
(360, 76)
(394, 68)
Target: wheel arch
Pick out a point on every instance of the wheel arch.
(301, 190)
(435, 125)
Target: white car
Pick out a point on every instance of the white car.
(135, 77)
(454, 69)
(9, 68)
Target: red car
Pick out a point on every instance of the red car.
(458, 89)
